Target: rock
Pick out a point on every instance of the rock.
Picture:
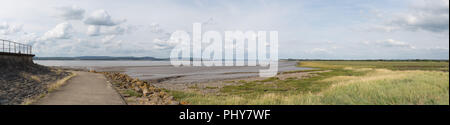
(137, 89)
(169, 98)
(126, 95)
(151, 94)
(146, 92)
(184, 103)
(142, 100)
(154, 99)
(157, 90)
(173, 103)
(139, 83)
(128, 79)
(162, 94)
(135, 80)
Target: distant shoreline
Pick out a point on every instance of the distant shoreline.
(103, 58)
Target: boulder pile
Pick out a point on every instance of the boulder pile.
(145, 93)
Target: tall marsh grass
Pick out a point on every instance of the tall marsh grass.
(344, 85)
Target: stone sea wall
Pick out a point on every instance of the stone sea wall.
(11, 58)
(21, 79)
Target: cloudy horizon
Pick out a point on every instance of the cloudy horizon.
(320, 29)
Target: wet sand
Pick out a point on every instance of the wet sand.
(186, 75)
(163, 72)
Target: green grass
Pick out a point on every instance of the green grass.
(209, 87)
(275, 85)
(392, 65)
(407, 88)
(346, 83)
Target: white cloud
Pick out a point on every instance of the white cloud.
(101, 23)
(430, 15)
(438, 48)
(383, 28)
(295, 20)
(319, 50)
(108, 38)
(71, 12)
(166, 44)
(6, 28)
(61, 31)
(394, 43)
(101, 18)
(29, 38)
(163, 44)
(116, 30)
(210, 21)
(93, 30)
(155, 28)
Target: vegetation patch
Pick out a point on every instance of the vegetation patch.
(345, 83)
(138, 92)
(50, 88)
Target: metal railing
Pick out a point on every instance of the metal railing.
(7, 46)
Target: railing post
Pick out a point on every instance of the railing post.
(13, 47)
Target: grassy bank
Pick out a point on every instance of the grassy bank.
(50, 88)
(344, 82)
(20, 82)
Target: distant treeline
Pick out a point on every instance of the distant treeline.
(432, 60)
(100, 58)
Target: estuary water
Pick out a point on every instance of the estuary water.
(163, 71)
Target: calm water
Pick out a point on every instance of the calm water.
(151, 70)
(86, 63)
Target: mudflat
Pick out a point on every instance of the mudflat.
(191, 74)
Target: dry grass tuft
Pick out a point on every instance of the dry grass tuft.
(50, 88)
(59, 83)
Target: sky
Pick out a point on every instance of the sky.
(308, 29)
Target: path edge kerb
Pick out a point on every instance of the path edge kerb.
(115, 89)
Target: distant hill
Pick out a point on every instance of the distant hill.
(100, 58)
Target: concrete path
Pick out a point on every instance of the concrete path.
(84, 89)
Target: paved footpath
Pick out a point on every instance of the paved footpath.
(84, 89)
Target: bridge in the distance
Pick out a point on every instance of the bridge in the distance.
(14, 52)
